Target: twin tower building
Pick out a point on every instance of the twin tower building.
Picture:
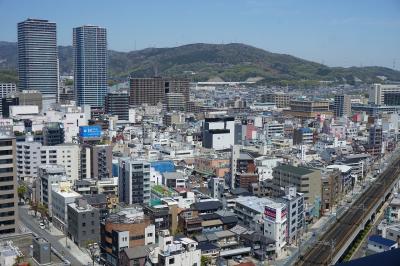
(38, 65)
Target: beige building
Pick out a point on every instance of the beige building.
(306, 180)
(306, 109)
(281, 99)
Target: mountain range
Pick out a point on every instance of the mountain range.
(202, 62)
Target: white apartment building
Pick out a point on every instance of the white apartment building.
(31, 154)
(134, 181)
(275, 224)
(62, 195)
(49, 176)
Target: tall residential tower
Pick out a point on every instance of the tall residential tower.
(38, 57)
(90, 65)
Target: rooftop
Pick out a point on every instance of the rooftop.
(381, 240)
(299, 170)
(258, 204)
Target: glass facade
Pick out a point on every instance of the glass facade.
(90, 65)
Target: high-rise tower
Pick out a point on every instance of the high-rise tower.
(90, 65)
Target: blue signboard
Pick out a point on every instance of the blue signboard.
(90, 131)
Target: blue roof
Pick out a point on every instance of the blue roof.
(206, 246)
(387, 258)
(381, 240)
(306, 130)
(163, 166)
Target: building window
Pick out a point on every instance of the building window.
(83, 224)
(171, 260)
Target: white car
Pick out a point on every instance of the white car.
(42, 226)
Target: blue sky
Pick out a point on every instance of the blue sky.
(336, 33)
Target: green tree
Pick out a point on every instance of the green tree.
(21, 191)
(18, 259)
(205, 261)
(43, 210)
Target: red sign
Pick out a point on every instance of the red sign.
(270, 213)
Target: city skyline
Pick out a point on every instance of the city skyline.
(336, 34)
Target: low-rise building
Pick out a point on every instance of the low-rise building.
(83, 223)
(128, 228)
(62, 195)
(377, 244)
(175, 252)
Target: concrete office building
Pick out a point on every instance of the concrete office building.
(38, 57)
(90, 65)
(83, 223)
(8, 183)
(306, 180)
(385, 94)
(306, 109)
(5, 90)
(342, 105)
(117, 103)
(219, 133)
(280, 99)
(134, 181)
(152, 91)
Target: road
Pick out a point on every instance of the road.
(31, 223)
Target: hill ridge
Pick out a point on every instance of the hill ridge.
(202, 61)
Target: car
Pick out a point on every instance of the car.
(42, 226)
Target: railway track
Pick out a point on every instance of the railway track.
(333, 240)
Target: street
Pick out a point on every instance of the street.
(30, 223)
